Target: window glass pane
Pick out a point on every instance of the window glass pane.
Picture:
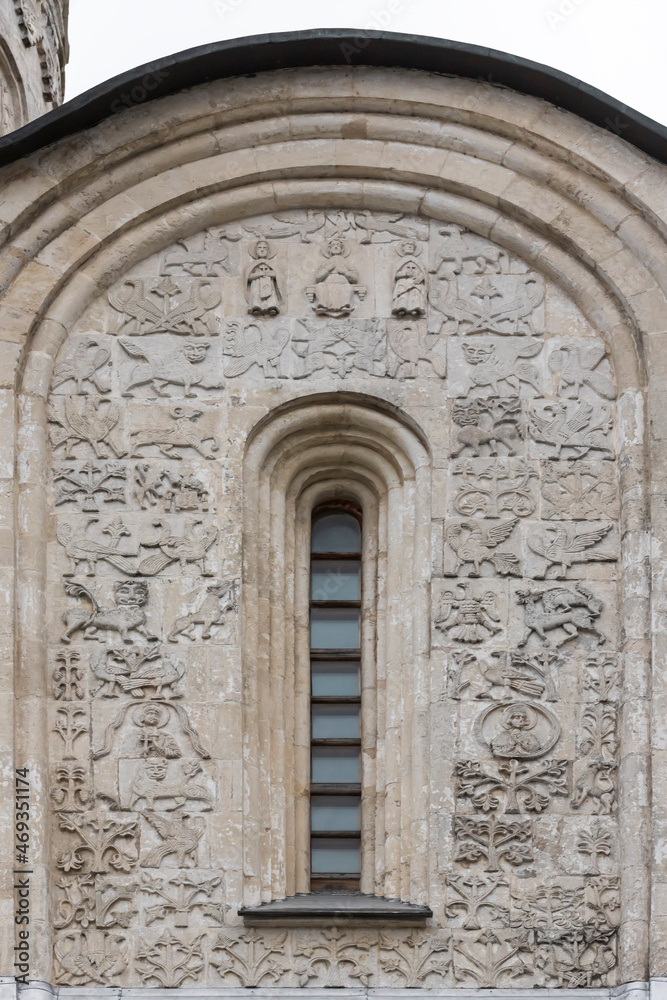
(334, 857)
(331, 679)
(335, 722)
(334, 580)
(334, 628)
(334, 812)
(333, 765)
(337, 532)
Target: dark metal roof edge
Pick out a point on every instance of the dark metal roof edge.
(326, 47)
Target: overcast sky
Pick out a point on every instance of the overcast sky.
(616, 45)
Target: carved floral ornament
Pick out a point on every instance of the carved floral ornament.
(516, 433)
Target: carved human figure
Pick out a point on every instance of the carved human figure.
(262, 290)
(336, 283)
(515, 737)
(150, 741)
(409, 296)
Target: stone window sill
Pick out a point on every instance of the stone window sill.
(326, 908)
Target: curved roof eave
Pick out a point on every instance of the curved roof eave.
(333, 46)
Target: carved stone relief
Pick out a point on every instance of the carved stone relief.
(495, 368)
(249, 344)
(340, 346)
(475, 543)
(184, 432)
(90, 957)
(88, 485)
(85, 368)
(518, 730)
(170, 961)
(494, 488)
(262, 286)
(482, 426)
(570, 429)
(409, 294)
(93, 425)
(180, 366)
(336, 287)
(137, 670)
(145, 559)
(167, 305)
(204, 255)
(468, 616)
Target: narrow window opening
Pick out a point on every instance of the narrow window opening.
(335, 656)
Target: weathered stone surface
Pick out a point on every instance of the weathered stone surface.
(219, 366)
(32, 66)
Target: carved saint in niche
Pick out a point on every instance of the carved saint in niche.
(409, 296)
(150, 741)
(262, 291)
(515, 737)
(336, 283)
(520, 730)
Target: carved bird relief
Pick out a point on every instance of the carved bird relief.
(578, 431)
(474, 543)
(84, 364)
(467, 618)
(161, 308)
(90, 956)
(576, 367)
(190, 547)
(92, 426)
(481, 314)
(178, 838)
(566, 544)
(410, 346)
(84, 550)
(253, 345)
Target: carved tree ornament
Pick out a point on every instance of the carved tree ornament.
(493, 488)
(416, 959)
(520, 787)
(171, 960)
(251, 959)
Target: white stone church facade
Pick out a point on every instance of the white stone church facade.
(333, 513)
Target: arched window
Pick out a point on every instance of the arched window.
(335, 664)
(335, 636)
